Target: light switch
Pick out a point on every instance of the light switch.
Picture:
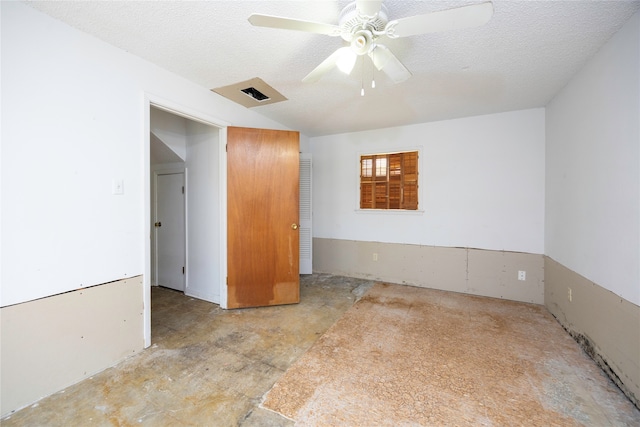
(117, 187)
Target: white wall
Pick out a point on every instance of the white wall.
(305, 146)
(481, 184)
(203, 212)
(171, 129)
(593, 168)
(73, 120)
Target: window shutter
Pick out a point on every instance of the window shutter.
(410, 180)
(395, 181)
(389, 181)
(366, 182)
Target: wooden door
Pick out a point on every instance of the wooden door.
(262, 217)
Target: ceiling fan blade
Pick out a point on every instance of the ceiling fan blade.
(330, 62)
(368, 7)
(293, 24)
(384, 60)
(451, 19)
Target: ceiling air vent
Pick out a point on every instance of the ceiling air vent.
(255, 94)
(251, 93)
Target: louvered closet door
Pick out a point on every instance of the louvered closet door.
(306, 239)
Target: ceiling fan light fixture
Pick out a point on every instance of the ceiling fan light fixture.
(362, 42)
(346, 61)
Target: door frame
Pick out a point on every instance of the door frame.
(191, 114)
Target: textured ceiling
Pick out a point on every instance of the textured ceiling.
(525, 54)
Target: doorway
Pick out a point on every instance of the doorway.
(185, 150)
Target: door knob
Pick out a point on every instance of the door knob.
(294, 226)
(158, 224)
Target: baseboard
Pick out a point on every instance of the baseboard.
(605, 325)
(472, 271)
(205, 296)
(54, 342)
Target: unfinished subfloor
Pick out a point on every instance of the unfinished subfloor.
(211, 367)
(206, 366)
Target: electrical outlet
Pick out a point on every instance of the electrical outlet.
(375, 256)
(569, 295)
(522, 275)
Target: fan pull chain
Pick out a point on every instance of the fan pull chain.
(373, 71)
(362, 77)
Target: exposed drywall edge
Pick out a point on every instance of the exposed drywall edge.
(472, 271)
(51, 343)
(605, 325)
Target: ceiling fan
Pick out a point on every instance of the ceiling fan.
(363, 23)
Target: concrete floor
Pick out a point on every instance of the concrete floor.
(206, 366)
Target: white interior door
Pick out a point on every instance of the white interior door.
(170, 230)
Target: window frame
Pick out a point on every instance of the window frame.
(394, 211)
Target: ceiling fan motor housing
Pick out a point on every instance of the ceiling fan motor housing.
(360, 30)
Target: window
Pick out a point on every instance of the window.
(389, 181)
